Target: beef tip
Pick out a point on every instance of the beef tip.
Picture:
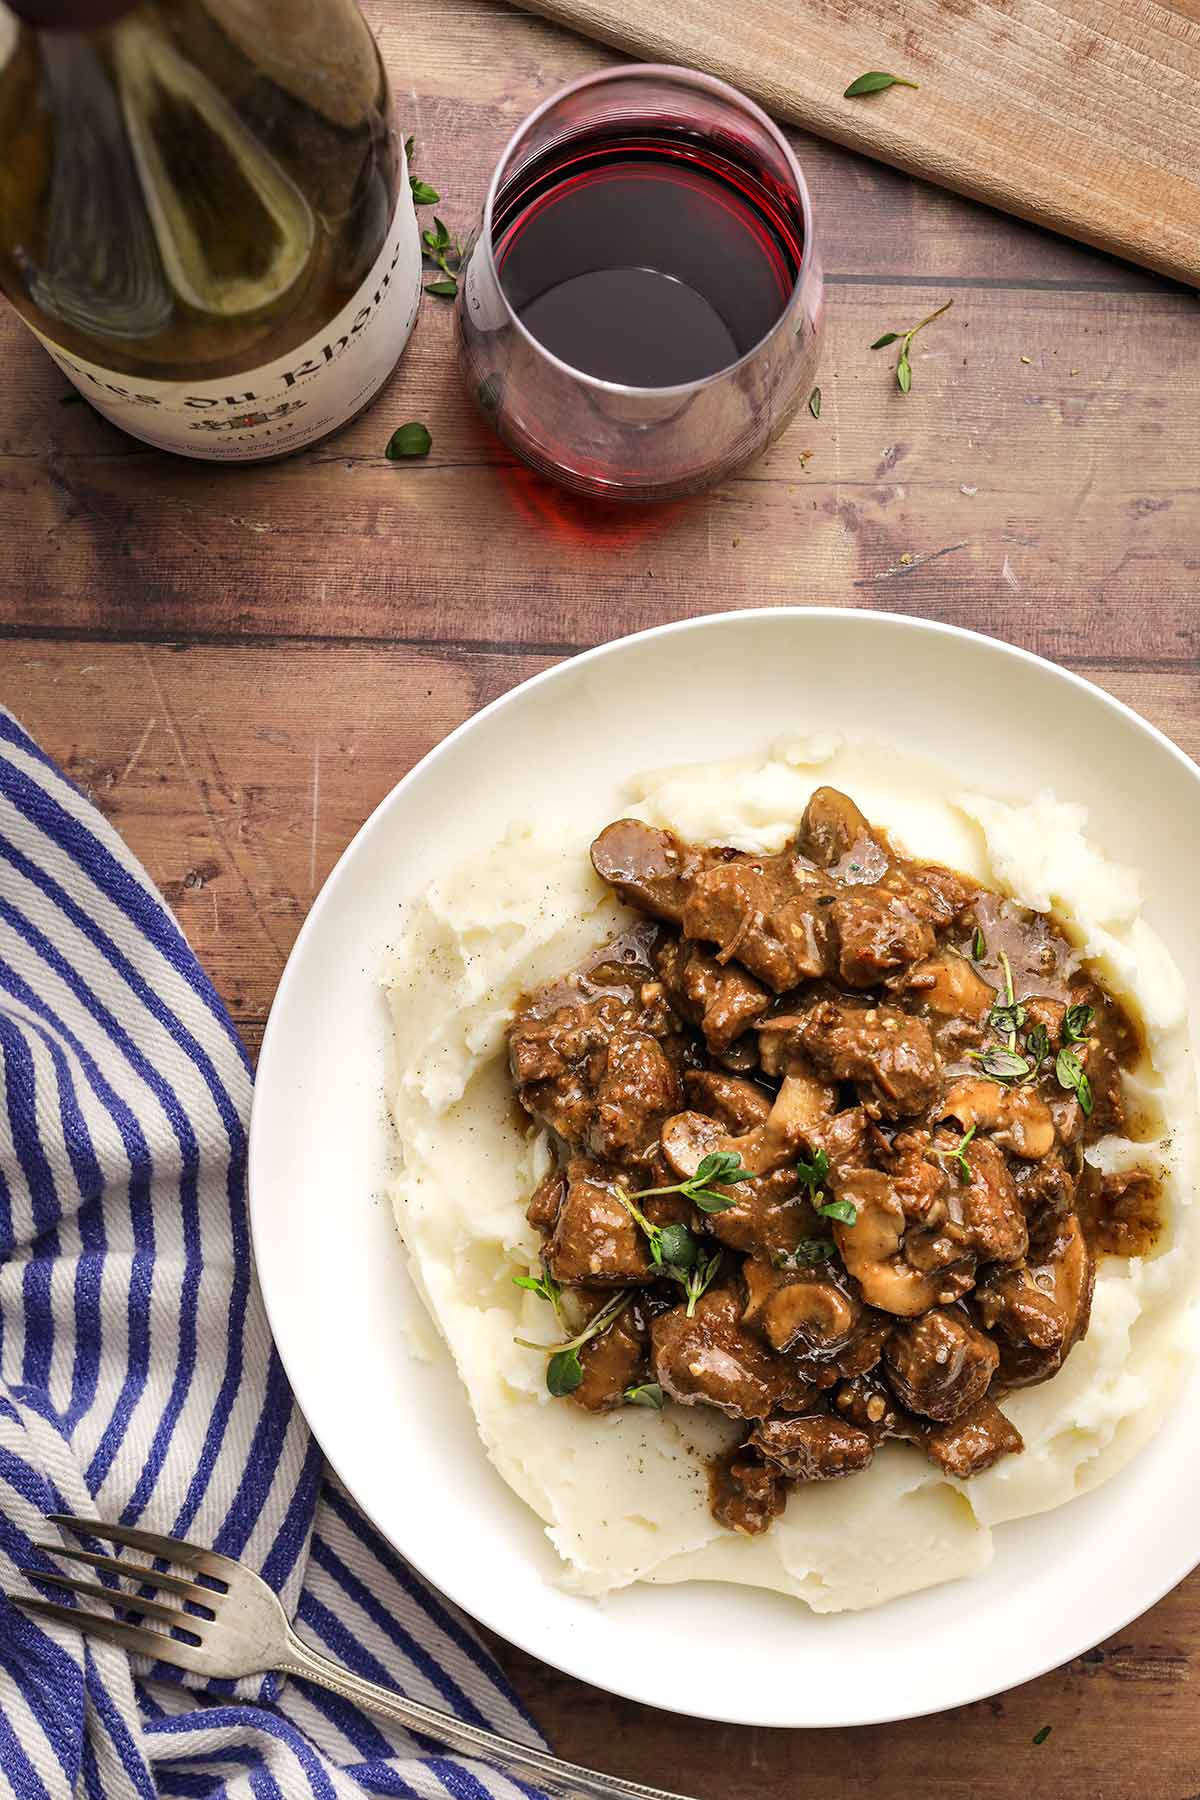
(770, 1216)
(984, 1215)
(798, 1307)
(937, 895)
(712, 1359)
(918, 1179)
(887, 1053)
(746, 1493)
(876, 935)
(973, 1442)
(637, 1091)
(1044, 1187)
(594, 1239)
(723, 1000)
(613, 1361)
(1112, 1044)
(764, 911)
(598, 1064)
(553, 1058)
(736, 1104)
(1126, 1212)
(819, 1448)
(1016, 1118)
(842, 1138)
(1040, 1311)
(831, 828)
(863, 1349)
(548, 1195)
(649, 868)
(939, 1365)
(867, 1401)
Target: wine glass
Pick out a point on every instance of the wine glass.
(639, 309)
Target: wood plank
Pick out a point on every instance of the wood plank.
(239, 796)
(1081, 115)
(1124, 1719)
(871, 219)
(1052, 500)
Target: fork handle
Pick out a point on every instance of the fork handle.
(568, 1781)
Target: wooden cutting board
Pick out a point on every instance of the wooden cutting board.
(1081, 115)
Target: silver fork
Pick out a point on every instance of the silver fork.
(243, 1630)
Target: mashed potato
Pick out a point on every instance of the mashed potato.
(624, 1495)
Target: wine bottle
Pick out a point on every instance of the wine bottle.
(205, 214)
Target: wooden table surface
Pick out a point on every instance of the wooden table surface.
(237, 665)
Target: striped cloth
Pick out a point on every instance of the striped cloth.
(138, 1379)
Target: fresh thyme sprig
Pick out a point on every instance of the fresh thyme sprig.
(697, 1281)
(437, 244)
(807, 1252)
(960, 1157)
(1001, 1063)
(422, 193)
(673, 1248)
(1069, 1074)
(445, 251)
(1009, 1017)
(545, 1287)
(724, 1166)
(564, 1371)
(812, 1174)
(904, 339)
(1076, 1021)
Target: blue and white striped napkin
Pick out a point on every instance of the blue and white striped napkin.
(138, 1379)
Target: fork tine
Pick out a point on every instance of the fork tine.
(115, 1631)
(133, 1571)
(188, 1556)
(154, 1609)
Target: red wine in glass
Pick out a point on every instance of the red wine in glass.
(647, 258)
(640, 308)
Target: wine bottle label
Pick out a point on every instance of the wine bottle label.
(274, 409)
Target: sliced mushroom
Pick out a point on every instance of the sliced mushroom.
(649, 868)
(797, 1306)
(802, 1103)
(871, 1247)
(1018, 1119)
(832, 827)
(949, 986)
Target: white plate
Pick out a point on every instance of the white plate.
(399, 1432)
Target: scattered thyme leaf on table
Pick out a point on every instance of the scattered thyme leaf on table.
(413, 439)
(904, 339)
(874, 82)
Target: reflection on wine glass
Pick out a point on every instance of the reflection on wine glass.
(639, 309)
